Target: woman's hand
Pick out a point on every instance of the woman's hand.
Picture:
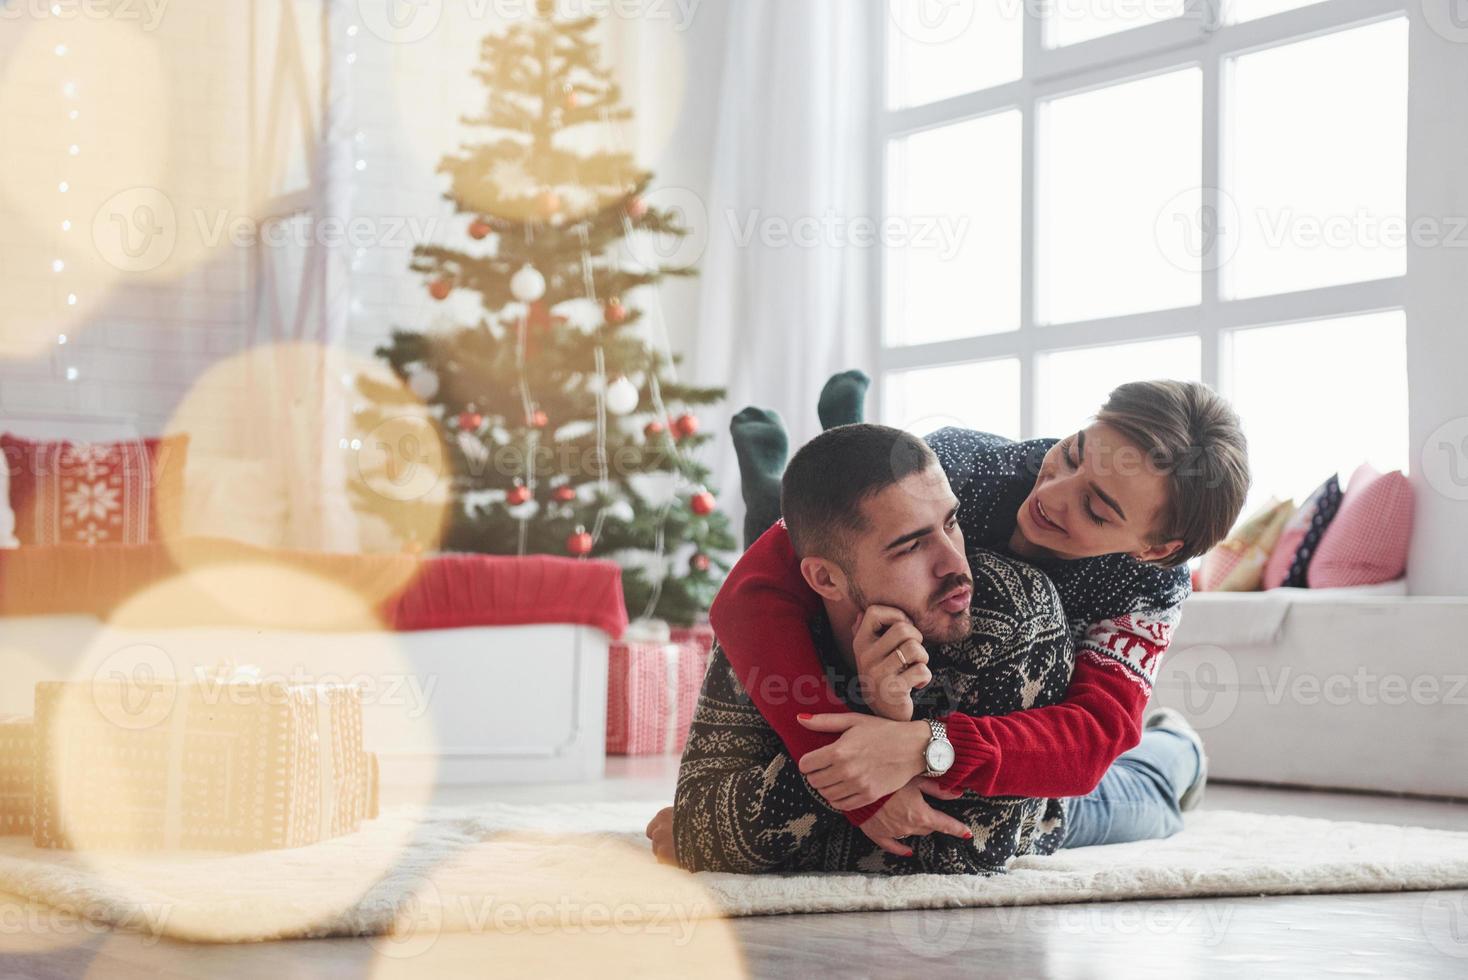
(907, 814)
(872, 758)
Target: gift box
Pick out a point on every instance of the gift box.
(227, 766)
(652, 689)
(17, 774)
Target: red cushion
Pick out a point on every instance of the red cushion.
(95, 493)
(1368, 540)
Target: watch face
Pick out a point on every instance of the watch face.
(939, 755)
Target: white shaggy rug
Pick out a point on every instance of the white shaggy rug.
(502, 867)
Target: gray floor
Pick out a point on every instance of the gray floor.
(1396, 935)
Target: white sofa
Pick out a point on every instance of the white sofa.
(1362, 689)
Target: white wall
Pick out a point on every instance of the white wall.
(1437, 304)
(160, 105)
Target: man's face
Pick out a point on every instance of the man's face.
(911, 557)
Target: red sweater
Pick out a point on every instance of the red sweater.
(760, 618)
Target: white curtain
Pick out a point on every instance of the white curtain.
(776, 320)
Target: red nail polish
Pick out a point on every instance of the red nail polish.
(804, 716)
(969, 835)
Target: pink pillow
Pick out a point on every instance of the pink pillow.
(1367, 542)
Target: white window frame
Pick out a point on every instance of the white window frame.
(1197, 39)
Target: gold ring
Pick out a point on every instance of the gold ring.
(901, 659)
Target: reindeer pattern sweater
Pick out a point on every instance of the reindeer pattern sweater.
(1121, 613)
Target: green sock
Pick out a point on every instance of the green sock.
(763, 448)
(843, 399)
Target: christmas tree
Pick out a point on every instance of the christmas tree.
(562, 427)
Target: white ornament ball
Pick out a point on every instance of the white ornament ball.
(622, 397)
(622, 511)
(423, 383)
(527, 285)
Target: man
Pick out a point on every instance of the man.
(873, 519)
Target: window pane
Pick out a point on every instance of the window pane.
(1074, 21)
(1238, 11)
(1072, 385)
(951, 231)
(940, 49)
(1317, 162)
(1320, 398)
(1113, 164)
(980, 395)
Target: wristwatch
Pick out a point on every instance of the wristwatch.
(938, 756)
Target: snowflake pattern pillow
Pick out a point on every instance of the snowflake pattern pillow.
(91, 493)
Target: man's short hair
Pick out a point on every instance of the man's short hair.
(825, 484)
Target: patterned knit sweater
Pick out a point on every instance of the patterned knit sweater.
(743, 805)
(1121, 614)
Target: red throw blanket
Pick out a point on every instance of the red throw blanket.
(402, 592)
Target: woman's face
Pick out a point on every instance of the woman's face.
(1097, 494)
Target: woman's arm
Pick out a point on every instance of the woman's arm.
(760, 618)
(1064, 749)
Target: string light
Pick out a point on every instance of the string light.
(70, 90)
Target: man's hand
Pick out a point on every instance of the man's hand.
(885, 638)
(660, 832)
(907, 814)
(873, 757)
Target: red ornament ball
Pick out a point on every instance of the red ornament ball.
(685, 425)
(573, 98)
(479, 229)
(703, 503)
(654, 430)
(550, 203)
(579, 543)
(439, 289)
(699, 562)
(564, 493)
(517, 495)
(636, 207)
(538, 419)
(615, 312)
(470, 421)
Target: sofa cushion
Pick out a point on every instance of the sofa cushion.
(1236, 564)
(1368, 540)
(90, 493)
(1289, 564)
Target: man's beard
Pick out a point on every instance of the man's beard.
(936, 625)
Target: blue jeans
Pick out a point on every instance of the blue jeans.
(1137, 799)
